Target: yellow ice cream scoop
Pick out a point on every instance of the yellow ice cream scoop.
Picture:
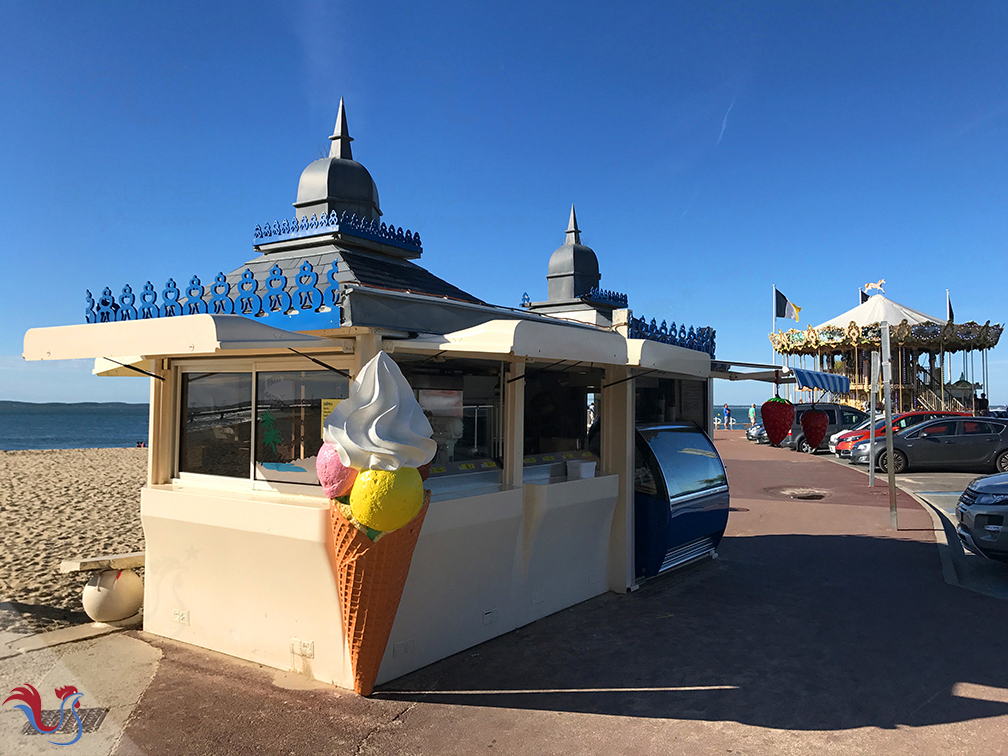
(384, 500)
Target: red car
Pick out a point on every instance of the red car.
(900, 421)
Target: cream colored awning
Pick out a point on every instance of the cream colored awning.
(544, 341)
(181, 336)
(654, 355)
(531, 339)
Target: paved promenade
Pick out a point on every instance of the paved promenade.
(818, 630)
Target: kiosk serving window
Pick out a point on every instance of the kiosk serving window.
(276, 442)
(290, 409)
(216, 427)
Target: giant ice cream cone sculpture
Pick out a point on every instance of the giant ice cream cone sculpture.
(376, 440)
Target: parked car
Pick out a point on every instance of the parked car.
(756, 432)
(953, 443)
(901, 422)
(840, 435)
(980, 517)
(841, 417)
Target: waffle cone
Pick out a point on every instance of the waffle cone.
(370, 577)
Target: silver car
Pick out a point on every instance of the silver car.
(946, 443)
(980, 517)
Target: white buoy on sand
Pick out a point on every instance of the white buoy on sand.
(113, 595)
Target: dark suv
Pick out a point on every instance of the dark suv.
(841, 417)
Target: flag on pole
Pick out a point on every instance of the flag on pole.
(784, 308)
(948, 303)
(864, 295)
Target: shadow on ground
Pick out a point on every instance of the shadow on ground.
(796, 632)
(39, 615)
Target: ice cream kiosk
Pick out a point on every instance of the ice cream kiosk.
(357, 469)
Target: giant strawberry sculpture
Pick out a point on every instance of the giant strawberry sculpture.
(778, 417)
(814, 423)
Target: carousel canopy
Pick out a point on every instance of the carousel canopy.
(911, 329)
(878, 309)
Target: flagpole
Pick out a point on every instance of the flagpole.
(773, 322)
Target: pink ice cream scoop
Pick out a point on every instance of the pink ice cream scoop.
(336, 478)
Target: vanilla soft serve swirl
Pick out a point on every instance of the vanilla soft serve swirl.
(381, 426)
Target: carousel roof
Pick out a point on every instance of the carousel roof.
(861, 328)
(877, 309)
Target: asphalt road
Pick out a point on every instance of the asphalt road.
(941, 490)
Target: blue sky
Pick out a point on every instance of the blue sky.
(712, 150)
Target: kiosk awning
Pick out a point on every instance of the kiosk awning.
(180, 336)
(666, 358)
(808, 379)
(523, 338)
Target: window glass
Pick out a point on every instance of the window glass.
(850, 418)
(831, 414)
(938, 429)
(687, 459)
(971, 428)
(216, 424)
(465, 411)
(644, 479)
(291, 407)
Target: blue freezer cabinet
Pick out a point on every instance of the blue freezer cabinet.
(680, 497)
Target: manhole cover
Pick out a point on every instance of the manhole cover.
(803, 493)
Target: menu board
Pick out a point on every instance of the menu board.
(693, 402)
(328, 405)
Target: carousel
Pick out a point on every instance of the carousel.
(926, 355)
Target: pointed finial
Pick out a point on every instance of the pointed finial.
(340, 147)
(573, 232)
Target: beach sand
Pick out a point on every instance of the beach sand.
(57, 505)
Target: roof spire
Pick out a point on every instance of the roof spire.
(340, 147)
(573, 232)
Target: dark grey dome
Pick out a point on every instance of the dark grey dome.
(573, 268)
(337, 182)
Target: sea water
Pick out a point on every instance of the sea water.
(740, 413)
(90, 425)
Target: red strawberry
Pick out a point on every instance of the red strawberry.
(778, 417)
(814, 423)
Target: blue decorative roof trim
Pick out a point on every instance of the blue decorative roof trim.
(305, 308)
(698, 339)
(604, 296)
(344, 223)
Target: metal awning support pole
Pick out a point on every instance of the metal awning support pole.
(886, 383)
(871, 432)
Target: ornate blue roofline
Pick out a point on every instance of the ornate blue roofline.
(314, 306)
(605, 296)
(698, 339)
(344, 223)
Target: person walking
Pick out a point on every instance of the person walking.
(752, 416)
(727, 416)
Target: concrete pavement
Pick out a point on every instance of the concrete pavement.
(941, 491)
(817, 630)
